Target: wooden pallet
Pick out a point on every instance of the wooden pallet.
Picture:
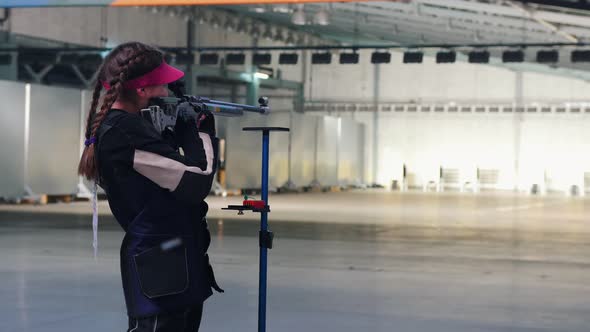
(44, 199)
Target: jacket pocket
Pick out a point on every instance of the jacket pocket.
(163, 269)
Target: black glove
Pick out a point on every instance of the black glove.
(185, 116)
(186, 123)
(169, 136)
(206, 122)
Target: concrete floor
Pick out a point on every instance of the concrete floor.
(355, 261)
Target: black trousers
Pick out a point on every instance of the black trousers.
(187, 320)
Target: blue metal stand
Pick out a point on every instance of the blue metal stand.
(265, 236)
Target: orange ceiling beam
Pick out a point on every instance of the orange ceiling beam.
(215, 2)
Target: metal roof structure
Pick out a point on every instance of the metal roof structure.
(452, 22)
(433, 21)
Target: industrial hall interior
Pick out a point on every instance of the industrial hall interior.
(295, 165)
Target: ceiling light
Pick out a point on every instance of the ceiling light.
(235, 59)
(513, 56)
(261, 58)
(290, 38)
(267, 34)
(229, 24)
(413, 57)
(281, 9)
(259, 9)
(201, 18)
(580, 56)
(298, 17)
(261, 75)
(279, 35)
(301, 39)
(321, 17)
(349, 58)
(255, 30)
(215, 21)
(288, 58)
(479, 57)
(321, 58)
(547, 56)
(209, 58)
(446, 57)
(380, 57)
(242, 26)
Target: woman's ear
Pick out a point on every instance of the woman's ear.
(141, 92)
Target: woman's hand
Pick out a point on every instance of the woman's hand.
(206, 122)
(186, 114)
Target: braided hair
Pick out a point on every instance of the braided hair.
(125, 62)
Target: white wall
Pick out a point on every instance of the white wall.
(548, 149)
(337, 163)
(12, 135)
(40, 131)
(551, 145)
(432, 82)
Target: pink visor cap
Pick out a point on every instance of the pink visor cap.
(163, 74)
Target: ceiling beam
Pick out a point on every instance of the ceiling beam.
(549, 26)
(419, 24)
(581, 4)
(520, 23)
(489, 9)
(125, 3)
(425, 18)
(214, 2)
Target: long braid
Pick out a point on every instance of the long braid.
(108, 100)
(86, 165)
(93, 106)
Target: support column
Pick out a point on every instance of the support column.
(300, 98)
(290, 185)
(252, 91)
(339, 151)
(190, 75)
(375, 143)
(254, 85)
(315, 183)
(517, 126)
(8, 69)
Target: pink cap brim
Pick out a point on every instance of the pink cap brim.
(163, 74)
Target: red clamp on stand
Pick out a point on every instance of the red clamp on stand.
(249, 205)
(257, 204)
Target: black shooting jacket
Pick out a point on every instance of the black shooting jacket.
(157, 196)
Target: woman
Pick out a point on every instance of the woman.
(155, 193)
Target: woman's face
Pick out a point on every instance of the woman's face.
(148, 92)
